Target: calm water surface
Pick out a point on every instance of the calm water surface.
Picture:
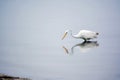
(31, 45)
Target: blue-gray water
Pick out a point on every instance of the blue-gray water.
(31, 45)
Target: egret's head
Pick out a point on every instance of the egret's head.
(66, 32)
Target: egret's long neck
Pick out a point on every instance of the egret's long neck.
(72, 34)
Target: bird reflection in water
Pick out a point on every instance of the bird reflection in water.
(84, 47)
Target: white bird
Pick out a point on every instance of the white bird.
(83, 34)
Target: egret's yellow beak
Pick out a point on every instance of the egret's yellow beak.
(64, 35)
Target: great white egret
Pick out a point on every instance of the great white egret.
(83, 34)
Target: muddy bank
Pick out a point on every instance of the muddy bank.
(7, 77)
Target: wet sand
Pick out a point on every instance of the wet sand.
(7, 77)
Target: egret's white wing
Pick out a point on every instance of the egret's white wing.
(87, 34)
